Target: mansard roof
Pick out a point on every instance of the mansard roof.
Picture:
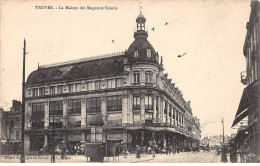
(81, 69)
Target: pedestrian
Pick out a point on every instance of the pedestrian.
(242, 156)
(224, 154)
(138, 152)
(63, 150)
(153, 151)
(233, 152)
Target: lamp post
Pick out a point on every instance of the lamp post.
(22, 158)
(53, 147)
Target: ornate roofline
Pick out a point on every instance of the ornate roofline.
(83, 59)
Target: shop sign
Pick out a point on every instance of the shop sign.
(117, 136)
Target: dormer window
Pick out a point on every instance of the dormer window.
(136, 54)
(149, 55)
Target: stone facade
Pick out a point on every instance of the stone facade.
(139, 104)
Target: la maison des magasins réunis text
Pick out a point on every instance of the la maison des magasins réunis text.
(93, 8)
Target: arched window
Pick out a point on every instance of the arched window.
(149, 55)
(136, 54)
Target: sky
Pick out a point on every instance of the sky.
(211, 33)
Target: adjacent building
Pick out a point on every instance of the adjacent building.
(10, 131)
(138, 102)
(247, 138)
(214, 141)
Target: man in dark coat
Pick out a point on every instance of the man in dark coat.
(224, 154)
(63, 150)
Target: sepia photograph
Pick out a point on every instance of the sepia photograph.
(129, 81)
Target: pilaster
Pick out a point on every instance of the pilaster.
(154, 109)
(83, 112)
(142, 107)
(124, 107)
(46, 115)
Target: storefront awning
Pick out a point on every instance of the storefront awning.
(249, 96)
(241, 116)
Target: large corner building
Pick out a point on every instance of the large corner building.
(139, 104)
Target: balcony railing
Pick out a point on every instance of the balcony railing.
(243, 77)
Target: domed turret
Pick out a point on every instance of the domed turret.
(141, 50)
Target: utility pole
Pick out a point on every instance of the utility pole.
(223, 130)
(22, 158)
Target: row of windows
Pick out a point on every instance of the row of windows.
(148, 100)
(148, 54)
(93, 105)
(114, 103)
(179, 116)
(148, 77)
(93, 85)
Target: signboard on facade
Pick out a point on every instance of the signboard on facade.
(116, 136)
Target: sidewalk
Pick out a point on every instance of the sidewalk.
(130, 159)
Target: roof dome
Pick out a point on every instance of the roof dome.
(141, 50)
(139, 44)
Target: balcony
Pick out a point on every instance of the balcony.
(243, 77)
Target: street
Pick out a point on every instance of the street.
(192, 157)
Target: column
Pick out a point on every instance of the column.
(182, 117)
(175, 118)
(167, 113)
(130, 106)
(83, 112)
(124, 107)
(64, 111)
(163, 107)
(124, 140)
(171, 115)
(26, 144)
(45, 141)
(28, 115)
(164, 140)
(154, 108)
(142, 109)
(83, 137)
(104, 107)
(46, 115)
(161, 113)
(142, 77)
(179, 119)
(159, 109)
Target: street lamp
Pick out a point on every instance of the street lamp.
(53, 147)
(22, 158)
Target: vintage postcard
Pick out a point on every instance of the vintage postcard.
(121, 81)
